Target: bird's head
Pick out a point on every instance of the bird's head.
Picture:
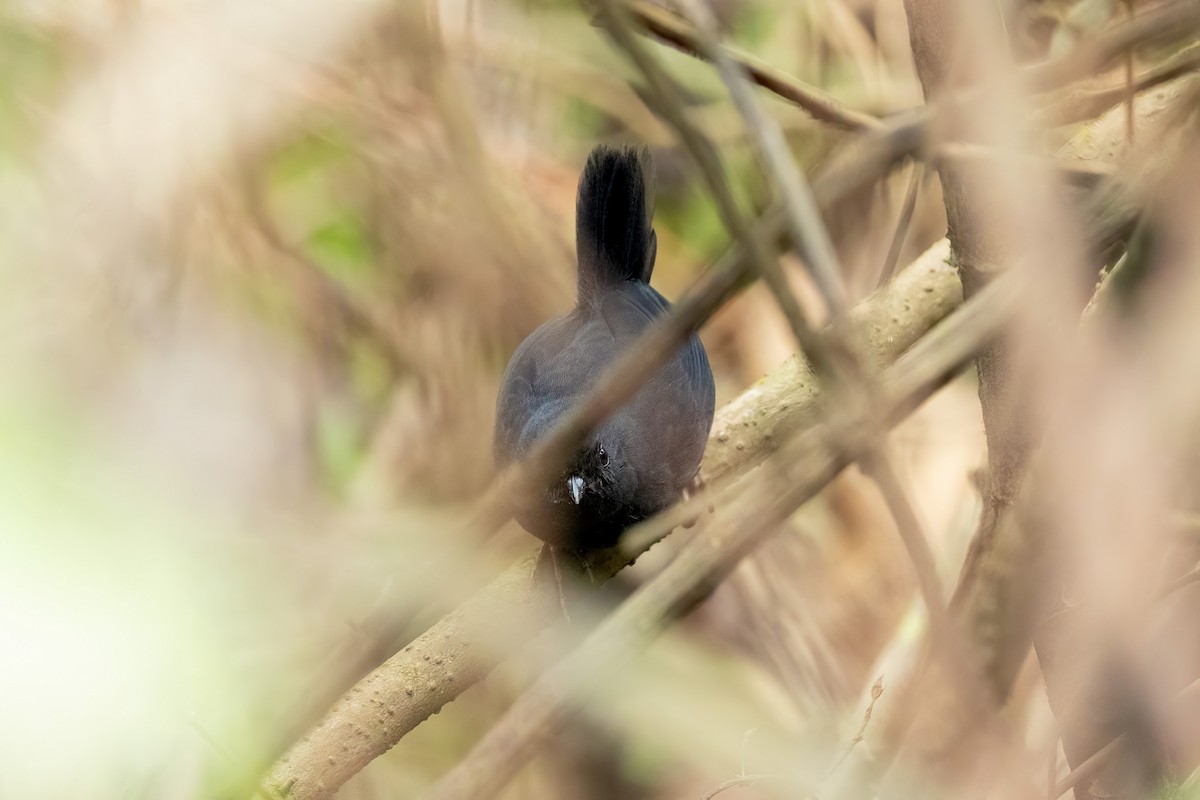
(591, 475)
(593, 499)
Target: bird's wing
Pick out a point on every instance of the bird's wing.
(526, 388)
(546, 374)
(513, 405)
(633, 309)
(678, 402)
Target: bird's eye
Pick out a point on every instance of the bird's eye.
(603, 454)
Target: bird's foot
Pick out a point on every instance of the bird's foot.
(584, 563)
(540, 565)
(694, 488)
(546, 567)
(558, 582)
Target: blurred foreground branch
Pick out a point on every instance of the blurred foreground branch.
(670, 28)
(1086, 104)
(1005, 581)
(847, 382)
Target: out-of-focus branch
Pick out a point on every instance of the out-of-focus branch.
(668, 27)
(1166, 21)
(1149, 26)
(848, 380)
(1076, 106)
(764, 264)
(998, 600)
(733, 783)
(748, 513)
(979, 254)
(1088, 769)
(1087, 686)
(903, 222)
(800, 208)
(323, 292)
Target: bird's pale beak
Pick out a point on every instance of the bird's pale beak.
(575, 485)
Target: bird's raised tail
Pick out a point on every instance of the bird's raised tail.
(614, 240)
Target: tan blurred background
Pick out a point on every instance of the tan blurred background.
(261, 267)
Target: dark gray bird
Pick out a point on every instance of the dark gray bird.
(640, 460)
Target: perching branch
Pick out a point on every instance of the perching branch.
(462, 648)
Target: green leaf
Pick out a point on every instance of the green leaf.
(343, 247)
(339, 446)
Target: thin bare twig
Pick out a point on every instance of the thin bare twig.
(804, 220)
(1078, 106)
(822, 106)
(1167, 21)
(876, 693)
(1052, 770)
(902, 224)
(618, 24)
(1184, 580)
(1092, 766)
(733, 783)
(879, 468)
(743, 778)
(1089, 768)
